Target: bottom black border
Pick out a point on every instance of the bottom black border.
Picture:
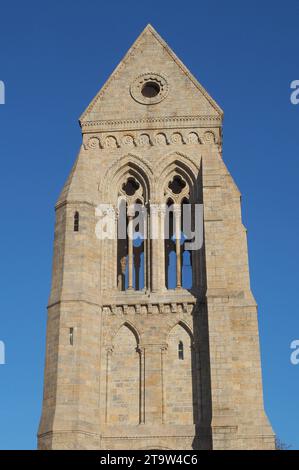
(137, 459)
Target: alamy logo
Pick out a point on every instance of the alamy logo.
(132, 221)
(2, 353)
(295, 94)
(295, 354)
(2, 92)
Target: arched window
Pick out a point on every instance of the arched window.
(178, 266)
(76, 221)
(132, 247)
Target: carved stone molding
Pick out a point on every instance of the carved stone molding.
(150, 309)
(144, 124)
(148, 139)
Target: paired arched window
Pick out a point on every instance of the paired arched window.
(137, 257)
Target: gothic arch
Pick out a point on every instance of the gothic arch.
(179, 180)
(132, 328)
(125, 164)
(178, 163)
(130, 262)
(114, 332)
(183, 324)
(123, 378)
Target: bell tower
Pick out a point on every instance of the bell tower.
(152, 335)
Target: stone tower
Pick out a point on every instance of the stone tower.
(151, 345)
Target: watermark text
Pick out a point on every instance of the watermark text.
(295, 94)
(2, 353)
(295, 354)
(2, 92)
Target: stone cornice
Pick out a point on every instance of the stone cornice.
(142, 308)
(168, 122)
(59, 302)
(60, 204)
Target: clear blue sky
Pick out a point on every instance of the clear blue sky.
(54, 56)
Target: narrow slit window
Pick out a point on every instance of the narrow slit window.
(76, 221)
(181, 350)
(71, 336)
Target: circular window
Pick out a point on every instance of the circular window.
(149, 88)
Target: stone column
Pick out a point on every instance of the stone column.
(142, 385)
(177, 215)
(154, 235)
(109, 352)
(130, 251)
(162, 247)
(163, 351)
(145, 248)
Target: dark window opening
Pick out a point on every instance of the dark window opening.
(131, 186)
(76, 222)
(150, 89)
(71, 336)
(177, 185)
(181, 350)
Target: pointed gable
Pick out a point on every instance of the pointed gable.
(150, 58)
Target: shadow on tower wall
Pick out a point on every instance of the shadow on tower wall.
(201, 375)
